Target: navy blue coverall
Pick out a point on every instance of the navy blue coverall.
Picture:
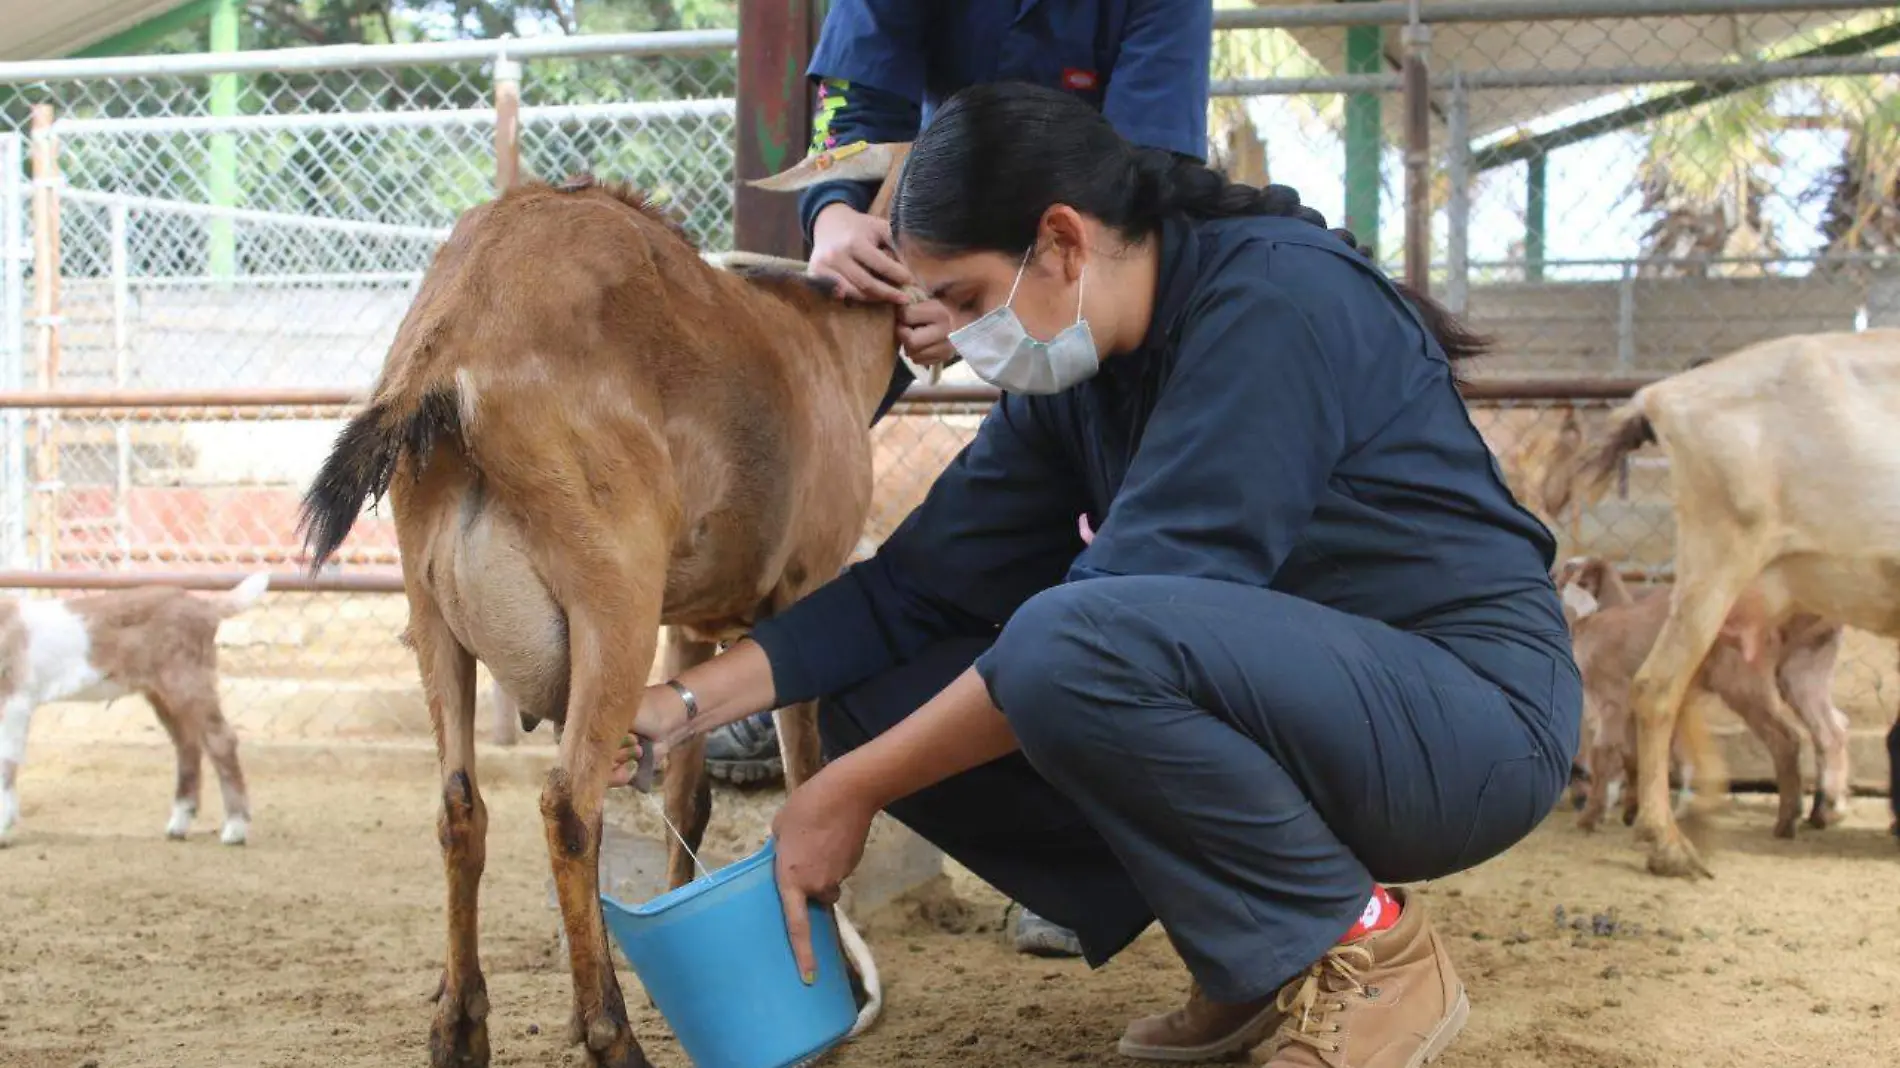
(1314, 642)
(884, 66)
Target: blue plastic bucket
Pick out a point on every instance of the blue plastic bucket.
(714, 957)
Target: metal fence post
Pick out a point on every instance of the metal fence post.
(46, 322)
(507, 123)
(1626, 319)
(1536, 215)
(1365, 137)
(13, 344)
(1458, 175)
(121, 368)
(222, 179)
(1417, 38)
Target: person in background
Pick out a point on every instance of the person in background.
(882, 68)
(1310, 650)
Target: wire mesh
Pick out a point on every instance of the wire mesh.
(1599, 204)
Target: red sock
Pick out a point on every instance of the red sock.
(1381, 912)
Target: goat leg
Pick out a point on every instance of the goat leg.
(458, 1036)
(187, 747)
(688, 789)
(221, 745)
(1718, 571)
(608, 673)
(15, 714)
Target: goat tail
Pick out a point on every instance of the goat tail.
(1628, 431)
(364, 459)
(242, 596)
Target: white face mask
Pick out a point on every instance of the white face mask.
(1002, 353)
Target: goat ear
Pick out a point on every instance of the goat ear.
(860, 162)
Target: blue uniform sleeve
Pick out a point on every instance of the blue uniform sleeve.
(849, 112)
(1157, 93)
(997, 527)
(869, 65)
(1239, 449)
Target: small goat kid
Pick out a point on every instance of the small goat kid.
(158, 642)
(1750, 665)
(586, 432)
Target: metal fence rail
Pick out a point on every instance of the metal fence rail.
(1613, 189)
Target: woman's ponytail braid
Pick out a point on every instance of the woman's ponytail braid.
(1165, 183)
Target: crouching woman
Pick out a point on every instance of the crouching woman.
(1312, 648)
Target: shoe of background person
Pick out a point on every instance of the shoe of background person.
(745, 752)
(1033, 935)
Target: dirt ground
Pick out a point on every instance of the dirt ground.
(320, 943)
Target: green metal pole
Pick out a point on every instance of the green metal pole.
(1365, 135)
(222, 180)
(1536, 214)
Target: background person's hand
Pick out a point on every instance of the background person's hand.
(855, 249)
(923, 329)
(819, 838)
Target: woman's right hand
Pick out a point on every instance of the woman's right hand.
(854, 249)
(729, 687)
(658, 721)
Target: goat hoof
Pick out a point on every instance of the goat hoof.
(1674, 857)
(1784, 828)
(179, 825)
(236, 832)
(612, 1046)
(459, 1036)
(608, 1039)
(1827, 812)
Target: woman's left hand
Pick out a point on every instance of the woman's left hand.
(820, 837)
(923, 329)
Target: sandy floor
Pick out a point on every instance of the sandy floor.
(320, 942)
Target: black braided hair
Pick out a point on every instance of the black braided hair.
(998, 155)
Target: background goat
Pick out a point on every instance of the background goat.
(156, 641)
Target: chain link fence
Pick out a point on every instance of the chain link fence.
(1606, 195)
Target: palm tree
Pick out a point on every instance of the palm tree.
(1701, 182)
(1862, 214)
(1703, 178)
(1235, 146)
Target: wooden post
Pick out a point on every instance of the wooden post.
(772, 121)
(46, 330)
(507, 123)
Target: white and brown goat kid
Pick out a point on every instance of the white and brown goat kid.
(156, 641)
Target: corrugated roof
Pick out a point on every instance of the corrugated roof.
(47, 29)
(1563, 46)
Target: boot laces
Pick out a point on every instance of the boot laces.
(1311, 1001)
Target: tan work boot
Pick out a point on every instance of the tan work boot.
(1389, 1000)
(1201, 1030)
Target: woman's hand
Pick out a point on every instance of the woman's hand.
(854, 249)
(661, 718)
(819, 837)
(923, 329)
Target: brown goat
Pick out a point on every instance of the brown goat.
(1750, 664)
(155, 641)
(587, 431)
